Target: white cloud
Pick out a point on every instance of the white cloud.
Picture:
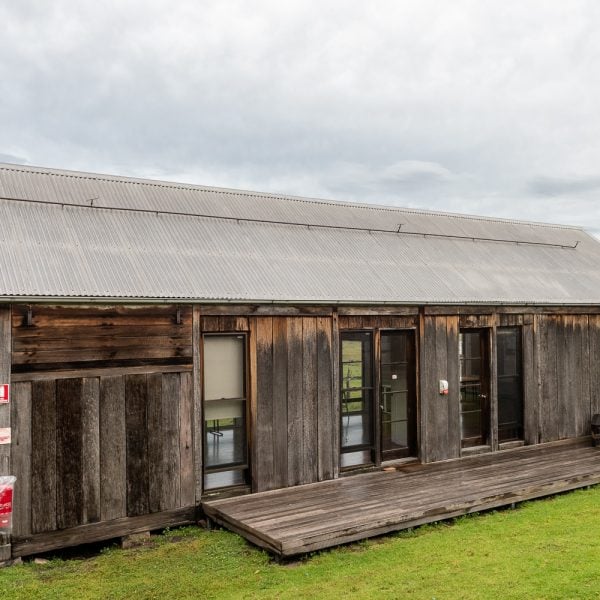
(467, 106)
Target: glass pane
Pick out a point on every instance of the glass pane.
(356, 390)
(471, 424)
(224, 479)
(472, 388)
(394, 378)
(225, 441)
(510, 390)
(223, 367)
(356, 421)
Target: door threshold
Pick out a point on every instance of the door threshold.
(400, 462)
(473, 450)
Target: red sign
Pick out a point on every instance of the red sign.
(6, 500)
(4, 393)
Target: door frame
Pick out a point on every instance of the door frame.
(375, 449)
(486, 379)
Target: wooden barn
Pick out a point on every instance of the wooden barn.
(304, 372)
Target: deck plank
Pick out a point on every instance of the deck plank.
(319, 515)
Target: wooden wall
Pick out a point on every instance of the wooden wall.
(5, 414)
(294, 401)
(567, 369)
(91, 449)
(106, 409)
(100, 337)
(440, 424)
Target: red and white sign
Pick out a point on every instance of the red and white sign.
(5, 435)
(4, 393)
(6, 501)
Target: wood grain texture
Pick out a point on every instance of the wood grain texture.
(171, 395)
(5, 369)
(280, 403)
(113, 449)
(21, 457)
(594, 362)
(90, 449)
(302, 519)
(264, 435)
(186, 441)
(43, 456)
(69, 453)
(137, 444)
(97, 336)
(325, 398)
(198, 414)
(530, 390)
(295, 412)
(310, 406)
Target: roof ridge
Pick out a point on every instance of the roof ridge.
(270, 195)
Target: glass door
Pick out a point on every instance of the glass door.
(397, 395)
(474, 384)
(356, 410)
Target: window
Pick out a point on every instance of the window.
(356, 398)
(510, 385)
(225, 436)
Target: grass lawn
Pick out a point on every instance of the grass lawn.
(544, 549)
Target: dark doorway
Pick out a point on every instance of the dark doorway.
(397, 395)
(474, 388)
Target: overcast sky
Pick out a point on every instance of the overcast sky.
(486, 107)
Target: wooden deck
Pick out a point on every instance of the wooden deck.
(297, 520)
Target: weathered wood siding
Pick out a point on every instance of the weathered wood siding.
(101, 448)
(440, 418)
(103, 414)
(293, 424)
(91, 336)
(566, 374)
(5, 414)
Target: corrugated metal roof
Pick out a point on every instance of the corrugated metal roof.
(112, 237)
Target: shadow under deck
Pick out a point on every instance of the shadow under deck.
(301, 519)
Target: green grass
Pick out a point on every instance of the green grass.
(544, 549)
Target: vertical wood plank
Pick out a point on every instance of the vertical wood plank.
(171, 393)
(43, 456)
(548, 366)
(583, 414)
(155, 440)
(69, 451)
(264, 405)
(335, 400)
(442, 423)
(324, 398)
(198, 417)
(430, 402)
(5, 412)
(530, 396)
(310, 400)
(564, 376)
(137, 444)
(453, 377)
(90, 431)
(113, 435)
(186, 441)
(594, 363)
(252, 401)
(280, 394)
(5, 366)
(295, 415)
(21, 457)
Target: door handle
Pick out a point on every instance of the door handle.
(483, 396)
